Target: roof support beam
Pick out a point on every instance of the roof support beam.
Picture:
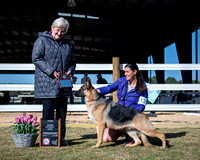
(183, 42)
(116, 74)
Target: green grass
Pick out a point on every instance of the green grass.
(182, 143)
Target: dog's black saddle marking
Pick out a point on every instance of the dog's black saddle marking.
(121, 114)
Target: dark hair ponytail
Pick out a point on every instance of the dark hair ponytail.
(140, 86)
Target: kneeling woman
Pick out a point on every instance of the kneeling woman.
(132, 92)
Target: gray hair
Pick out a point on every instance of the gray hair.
(61, 22)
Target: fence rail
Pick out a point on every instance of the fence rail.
(104, 67)
(83, 107)
(164, 87)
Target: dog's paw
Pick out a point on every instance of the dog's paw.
(149, 145)
(132, 145)
(95, 146)
(128, 145)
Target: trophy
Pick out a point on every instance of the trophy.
(65, 81)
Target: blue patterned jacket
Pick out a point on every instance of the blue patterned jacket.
(49, 56)
(130, 98)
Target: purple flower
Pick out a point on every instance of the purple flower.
(35, 118)
(17, 120)
(29, 121)
(35, 121)
(26, 119)
(25, 125)
(33, 124)
(30, 116)
(22, 120)
(22, 116)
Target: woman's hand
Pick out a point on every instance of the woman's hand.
(56, 74)
(68, 73)
(98, 91)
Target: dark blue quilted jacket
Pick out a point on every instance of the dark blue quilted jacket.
(130, 98)
(48, 56)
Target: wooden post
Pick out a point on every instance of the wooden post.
(116, 74)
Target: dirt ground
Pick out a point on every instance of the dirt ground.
(163, 119)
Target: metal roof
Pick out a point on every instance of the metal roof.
(131, 29)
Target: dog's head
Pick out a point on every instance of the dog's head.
(82, 91)
(88, 90)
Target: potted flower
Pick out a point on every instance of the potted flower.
(25, 131)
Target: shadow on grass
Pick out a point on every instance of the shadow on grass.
(72, 143)
(83, 137)
(153, 140)
(175, 135)
(157, 142)
(89, 136)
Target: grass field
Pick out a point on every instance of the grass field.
(182, 144)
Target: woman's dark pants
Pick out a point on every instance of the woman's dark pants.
(60, 104)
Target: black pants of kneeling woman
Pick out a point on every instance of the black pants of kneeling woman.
(60, 104)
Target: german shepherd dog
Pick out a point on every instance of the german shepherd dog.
(108, 114)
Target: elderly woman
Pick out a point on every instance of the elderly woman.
(52, 56)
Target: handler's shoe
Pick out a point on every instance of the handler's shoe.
(151, 115)
(64, 142)
(129, 141)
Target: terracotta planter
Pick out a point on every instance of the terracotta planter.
(24, 140)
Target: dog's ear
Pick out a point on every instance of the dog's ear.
(88, 83)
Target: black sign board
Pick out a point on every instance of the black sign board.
(49, 133)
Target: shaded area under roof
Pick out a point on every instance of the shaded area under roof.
(131, 29)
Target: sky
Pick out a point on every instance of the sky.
(170, 56)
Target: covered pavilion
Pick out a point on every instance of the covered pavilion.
(102, 29)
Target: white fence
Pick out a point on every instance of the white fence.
(163, 87)
(83, 107)
(104, 67)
